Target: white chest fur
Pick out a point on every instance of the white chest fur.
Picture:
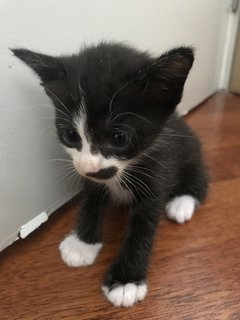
(119, 193)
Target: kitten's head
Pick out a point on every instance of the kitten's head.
(111, 101)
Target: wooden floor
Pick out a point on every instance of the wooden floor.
(195, 268)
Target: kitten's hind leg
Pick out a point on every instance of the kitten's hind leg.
(189, 193)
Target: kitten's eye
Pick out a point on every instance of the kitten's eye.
(120, 140)
(71, 136)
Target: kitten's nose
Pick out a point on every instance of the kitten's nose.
(105, 173)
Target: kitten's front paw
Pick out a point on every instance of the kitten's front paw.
(125, 295)
(181, 209)
(76, 253)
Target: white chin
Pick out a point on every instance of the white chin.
(103, 181)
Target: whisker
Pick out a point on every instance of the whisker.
(136, 187)
(113, 97)
(175, 135)
(134, 114)
(134, 168)
(83, 98)
(144, 173)
(127, 187)
(152, 158)
(62, 160)
(58, 99)
(141, 184)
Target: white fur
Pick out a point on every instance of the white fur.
(118, 192)
(84, 160)
(76, 253)
(181, 209)
(126, 295)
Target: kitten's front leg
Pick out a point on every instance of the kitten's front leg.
(125, 283)
(82, 246)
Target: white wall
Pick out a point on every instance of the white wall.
(29, 182)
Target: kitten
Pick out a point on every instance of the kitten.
(115, 116)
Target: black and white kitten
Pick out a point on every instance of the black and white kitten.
(115, 117)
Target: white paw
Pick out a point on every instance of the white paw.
(181, 209)
(125, 295)
(76, 253)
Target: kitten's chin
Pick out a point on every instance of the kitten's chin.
(101, 181)
(104, 175)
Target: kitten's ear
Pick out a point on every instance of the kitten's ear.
(47, 67)
(163, 78)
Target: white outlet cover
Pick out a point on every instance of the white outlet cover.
(33, 224)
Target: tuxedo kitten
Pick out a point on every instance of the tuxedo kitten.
(115, 116)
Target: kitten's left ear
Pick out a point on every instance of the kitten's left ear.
(162, 80)
(48, 68)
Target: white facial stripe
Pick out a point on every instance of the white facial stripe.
(84, 160)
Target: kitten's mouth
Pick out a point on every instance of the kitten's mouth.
(103, 174)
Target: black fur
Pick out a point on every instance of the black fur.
(142, 93)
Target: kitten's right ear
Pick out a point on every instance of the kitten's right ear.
(162, 79)
(48, 68)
